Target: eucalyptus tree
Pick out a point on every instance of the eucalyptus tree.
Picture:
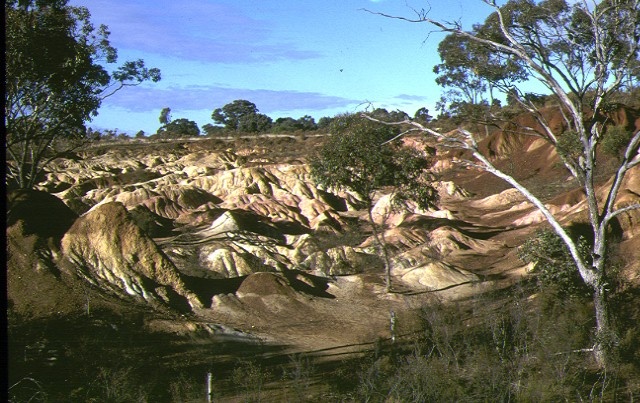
(231, 114)
(307, 123)
(422, 115)
(584, 53)
(56, 78)
(165, 116)
(180, 128)
(254, 123)
(285, 124)
(361, 156)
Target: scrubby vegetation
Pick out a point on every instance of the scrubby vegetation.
(520, 344)
(553, 266)
(528, 347)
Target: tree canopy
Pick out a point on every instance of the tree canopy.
(180, 128)
(165, 116)
(359, 156)
(230, 114)
(289, 124)
(56, 79)
(254, 123)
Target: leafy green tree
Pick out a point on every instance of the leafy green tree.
(92, 134)
(422, 115)
(211, 130)
(254, 123)
(307, 123)
(470, 70)
(180, 128)
(285, 125)
(289, 124)
(585, 55)
(55, 82)
(554, 267)
(616, 140)
(360, 157)
(230, 114)
(385, 115)
(324, 122)
(165, 116)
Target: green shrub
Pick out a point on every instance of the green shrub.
(251, 377)
(299, 374)
(554, 267)
(569, 144)
(615, 139)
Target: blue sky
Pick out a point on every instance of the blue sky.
(289, 57)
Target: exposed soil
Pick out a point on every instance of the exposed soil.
(274, 314)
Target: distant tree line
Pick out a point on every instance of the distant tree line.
(454, 109)
(243, 117)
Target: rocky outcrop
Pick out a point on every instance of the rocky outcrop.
(36, 222)
(107, 249)
(435, 276)
(196, 213)
(340, 261)
(169, 201)
(265, 284)
(227, 262)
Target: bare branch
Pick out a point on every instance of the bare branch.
(624, 210)
(400, 135)
(629, 161)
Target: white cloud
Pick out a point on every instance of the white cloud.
(192, 30)
(147, 99)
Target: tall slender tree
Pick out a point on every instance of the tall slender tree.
(165, 116)
(584, 54)
(362, 157)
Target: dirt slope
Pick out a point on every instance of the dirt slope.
(237, 235)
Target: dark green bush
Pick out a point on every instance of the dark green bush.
(569, 144)
(554, 267)
(615, 139)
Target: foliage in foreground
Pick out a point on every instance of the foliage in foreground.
(553, 266)
(56, 79)
(530, 349)
(585, 54)
(517, 346)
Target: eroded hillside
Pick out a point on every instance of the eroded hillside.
(237, 234)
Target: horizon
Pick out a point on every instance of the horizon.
(291, 59)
